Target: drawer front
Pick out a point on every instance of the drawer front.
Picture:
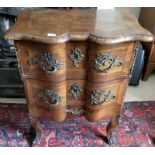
(48, 98)
(42, 61)
(109, 62)
(103, 97)
(74, 98)
(76, 59)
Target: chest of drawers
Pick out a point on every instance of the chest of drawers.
(75, 62)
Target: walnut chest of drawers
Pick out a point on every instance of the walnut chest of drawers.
(75, 62)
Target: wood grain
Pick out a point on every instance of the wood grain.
(100, 26)
(28, 50)
(122, 51)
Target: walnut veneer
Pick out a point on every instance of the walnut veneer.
(75, 62)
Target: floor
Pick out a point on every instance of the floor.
(145, 91)
(136, 127)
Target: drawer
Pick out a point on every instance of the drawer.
(74, 98)
(103, 97)
(109, 62)
(42, 61)
(47, 99)
(76, 59)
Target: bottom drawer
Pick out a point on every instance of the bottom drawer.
(75, 98)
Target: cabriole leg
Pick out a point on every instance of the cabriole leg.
(34, 131)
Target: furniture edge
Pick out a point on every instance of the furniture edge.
(78, 37)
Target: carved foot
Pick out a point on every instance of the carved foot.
(34, 131)
(111, 126)
(152, 139)
(36, 125)
(30, 135)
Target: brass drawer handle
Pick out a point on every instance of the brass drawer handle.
(47, 62)
(50, 97)
(76, 112)
(76, 56)
(75, 90)
(105, 62)
(95, 97)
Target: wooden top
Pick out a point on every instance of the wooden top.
(57, 26)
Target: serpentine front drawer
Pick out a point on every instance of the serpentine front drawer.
(73, 94)
(74, 60)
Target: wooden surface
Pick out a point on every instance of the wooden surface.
(122, 51)
(146, 20)
(28, 50)
(101, 26)
(106, 42)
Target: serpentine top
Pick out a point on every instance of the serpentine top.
(60, 25)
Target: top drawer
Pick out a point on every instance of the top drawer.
(74, 60)
(42, 61)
